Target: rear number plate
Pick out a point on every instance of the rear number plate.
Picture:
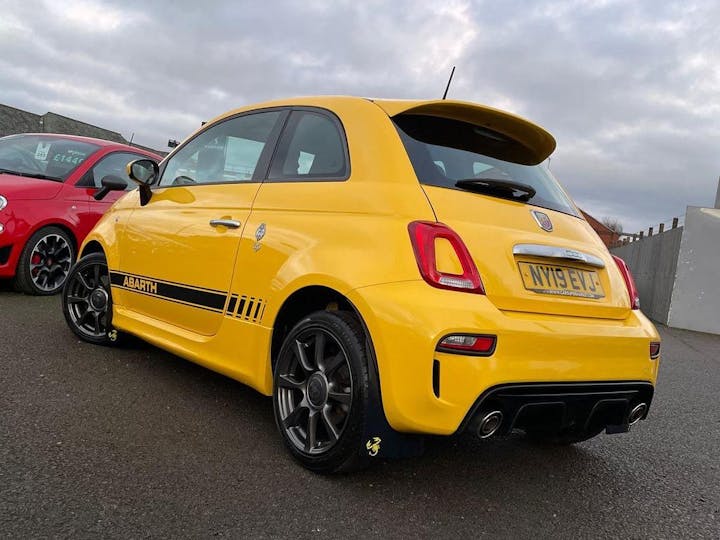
(560, 280)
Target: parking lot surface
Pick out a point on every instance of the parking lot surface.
(135, 442)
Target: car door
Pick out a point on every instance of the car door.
(298, 203)
(178, 252)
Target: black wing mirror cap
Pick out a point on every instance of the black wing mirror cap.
(109, 183)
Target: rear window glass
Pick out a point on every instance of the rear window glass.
(443, 151)
(47, 155)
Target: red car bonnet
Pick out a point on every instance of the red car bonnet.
(15, 187)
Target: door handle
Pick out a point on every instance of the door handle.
(229, 223)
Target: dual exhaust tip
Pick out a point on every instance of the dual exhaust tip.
(491, 422)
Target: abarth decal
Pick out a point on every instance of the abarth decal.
(246, 308)
(209, 299)
(373, 446)
(259, 235)
(142, 285)
(543, 220)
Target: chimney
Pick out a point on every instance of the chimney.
(717, 195)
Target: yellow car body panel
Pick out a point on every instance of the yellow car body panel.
(528, 350)
(351, 237)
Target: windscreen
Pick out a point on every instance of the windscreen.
(43, 156)
(444, 151)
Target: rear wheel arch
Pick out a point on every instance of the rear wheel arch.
(301, 303)
(310, 299)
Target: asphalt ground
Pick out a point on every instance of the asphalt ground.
(136, 443)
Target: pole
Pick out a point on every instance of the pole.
(449, 81)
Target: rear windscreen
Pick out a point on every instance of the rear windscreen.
(443, 151)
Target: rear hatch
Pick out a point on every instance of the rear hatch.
(482, 172)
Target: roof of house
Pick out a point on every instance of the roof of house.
(596, 222)
(13, 121)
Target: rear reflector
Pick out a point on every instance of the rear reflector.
(423, 235)
(629, 282)
(472, 344)
(654, 350)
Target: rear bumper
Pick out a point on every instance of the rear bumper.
(426, 391)
(577, 408)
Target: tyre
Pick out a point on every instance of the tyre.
(45, 262)
(87, 301)
(320, 392)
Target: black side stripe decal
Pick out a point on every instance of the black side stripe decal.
(203, 298)
(249, 308)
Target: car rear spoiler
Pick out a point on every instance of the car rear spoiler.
(537, 142)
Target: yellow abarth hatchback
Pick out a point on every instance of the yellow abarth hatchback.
(383, 269)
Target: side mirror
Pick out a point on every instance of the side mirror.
(109, 183)
(144, 172)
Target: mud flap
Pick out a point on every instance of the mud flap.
(379, 439)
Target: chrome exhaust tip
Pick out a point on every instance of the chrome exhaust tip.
(489, 424)
(637, 413)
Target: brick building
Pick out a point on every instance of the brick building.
(607, 235)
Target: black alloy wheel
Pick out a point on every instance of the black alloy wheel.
(87, 301)
(320, 391)
(45, 262)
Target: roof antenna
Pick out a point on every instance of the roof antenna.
(449, 81)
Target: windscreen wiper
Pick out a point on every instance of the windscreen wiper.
(31, 175)
(507, 189)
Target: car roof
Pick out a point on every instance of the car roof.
(539, 142)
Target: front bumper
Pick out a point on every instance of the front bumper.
(426, 391)
(8, 259)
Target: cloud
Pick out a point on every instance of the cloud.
(628, 89)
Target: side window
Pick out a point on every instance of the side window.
(226, 152)
(311, 147)
(114, 164)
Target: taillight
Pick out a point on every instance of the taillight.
(472, 344)
(629, 282)
(423, 235)
(654, 350)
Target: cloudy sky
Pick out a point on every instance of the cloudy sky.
(630, 89)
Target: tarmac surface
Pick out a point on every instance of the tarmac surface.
(135, 443)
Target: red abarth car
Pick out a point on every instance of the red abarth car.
(47, 183)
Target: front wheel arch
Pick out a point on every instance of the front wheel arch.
(92, 247)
